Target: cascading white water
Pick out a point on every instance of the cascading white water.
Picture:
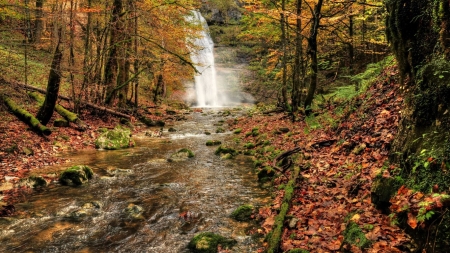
(203, 59)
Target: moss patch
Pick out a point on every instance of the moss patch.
(213, 143)
(353, 235)
(118, 138)
(181, 155)
(207, 242)
(242, 213)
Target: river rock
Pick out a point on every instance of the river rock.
(181, 155)
(34, 182)
(207, 242)
(134, 212)
(76, 175)
(242, 213)
(118, 138)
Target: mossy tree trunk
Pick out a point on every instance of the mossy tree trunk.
(25, 116)
(54, 79)
(68, 115)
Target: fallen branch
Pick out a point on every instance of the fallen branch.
(286, 162)
(94, 106)
(66, 114)
(26, 117)
(275, 237)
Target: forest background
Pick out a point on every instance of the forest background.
(301, 56)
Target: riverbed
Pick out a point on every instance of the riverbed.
(178, 199)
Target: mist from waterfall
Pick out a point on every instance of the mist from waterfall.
(203, 59)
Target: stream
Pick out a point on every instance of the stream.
(179, 199)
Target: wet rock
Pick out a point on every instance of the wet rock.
(243, 213)
(293, 222)
(34, 182)
(76, 175)
(207, 242)
(88, 209)
(118, 138)
(172, 129)
(182, 155)
(134, 212)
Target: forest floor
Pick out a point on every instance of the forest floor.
(344, 148)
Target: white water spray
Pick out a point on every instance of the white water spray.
(203, 59)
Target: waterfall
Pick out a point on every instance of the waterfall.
(203, 59)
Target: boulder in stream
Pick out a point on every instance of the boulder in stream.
(181, 155)
(76, 175)
(207, 242)
(243, 213)
(134, 212)
(34, 182)
(118, 138)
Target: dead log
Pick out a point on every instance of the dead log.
(66, 114)
(93, 106)
(284, 158)
(26, 117)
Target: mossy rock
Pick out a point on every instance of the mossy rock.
(353, 235)
(34, 182)
(118, 138)
(213, 143)
(220, 130)
(237, 131)
(76, 175)
(243, 213)
(134, 212)
(226, 150)
(181, 155)
(266, 174)
(207, 242)
(249, 145)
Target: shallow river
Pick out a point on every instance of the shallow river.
(179, 199)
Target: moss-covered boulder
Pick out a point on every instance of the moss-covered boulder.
(181, 155)
(353, 235)
(213, 143)
(76, 175)
(243, 213)
(208, 242)
(226, 150)
(266, 174)
(118, 138)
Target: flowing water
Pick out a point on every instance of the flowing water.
(179, 199)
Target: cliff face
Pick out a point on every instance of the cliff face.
(222, 12)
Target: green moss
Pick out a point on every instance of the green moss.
(213, 143)
(249, 145)
(207, 242)
(354, 235)
(226, 150)
(237, 131)
(119, 137)
(243, 213)
(298, 251)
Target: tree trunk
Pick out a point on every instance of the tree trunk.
(312, 51)
(298, 73)
(284, 96)
(112, 64)
(26, 117)
(39, 22)
(54, 79)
